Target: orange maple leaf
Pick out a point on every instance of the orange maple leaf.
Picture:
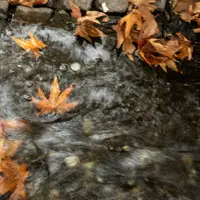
(56, 102)
(13, 179)
(33, 45)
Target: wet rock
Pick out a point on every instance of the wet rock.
(3, 9)
(112, 6)
(161, 4)
(33, 15)
(84, 4)
(61, 20)
(64, 4)
(58, 4)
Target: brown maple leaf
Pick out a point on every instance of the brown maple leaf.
(149, 26)
(86, 29)
(159, 52)
(57, 101)
(13, 179)
(33, 45)
(127, 43)
(85, 24)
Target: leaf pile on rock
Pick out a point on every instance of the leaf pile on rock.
(57, 101)
(189, 11)
(13, 175)
(85, 24)
(33, 44)
(139, 30)
(28, 3)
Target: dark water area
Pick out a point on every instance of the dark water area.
(134, 135)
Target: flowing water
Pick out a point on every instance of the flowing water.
(134, 135)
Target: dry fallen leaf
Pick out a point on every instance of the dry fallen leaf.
(18, 124)
(85, 24)
(33, 45)
(56, 102)
(188, 11)
(160, 52)
(28, 3)
(86, 30)
(149, 27)
(131, 19)
(127, 43)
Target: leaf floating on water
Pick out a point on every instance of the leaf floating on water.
(33, 45)
(57, 101)
(76, 11)
(85, 24)
(36, 42)
(86, 29)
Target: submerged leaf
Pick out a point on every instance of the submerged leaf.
(13, 179)
(57, 102)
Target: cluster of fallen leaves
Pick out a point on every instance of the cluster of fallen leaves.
(57, 101)
(189, 10)
(33, 44)
(28, 3)
(139, 30)
(12, 174)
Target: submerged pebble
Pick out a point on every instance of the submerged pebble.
(72, 161)
(63, 67)
(75, 66)
(27, 97)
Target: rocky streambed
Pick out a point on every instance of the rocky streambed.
(135, 133)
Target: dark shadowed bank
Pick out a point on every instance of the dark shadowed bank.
(134, 135)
